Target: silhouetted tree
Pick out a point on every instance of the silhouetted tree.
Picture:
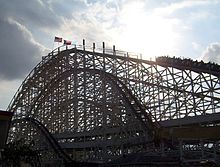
(19, 152)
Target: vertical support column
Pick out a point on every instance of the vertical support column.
(104, 99)
(193, 92)
(84, 96)
(175, 95)
(104, 85)
(95, 123)
(142, 72)
(75, 78)
(84, 43)
(114, 52)
(137, 78)
(212, 93)
(66, 94)
(139, 69)
(103, 47)
(84, 86)
(93, 47)
(184, 78)
(153, 92)
(114, 61)
(159, 94)
(126, 70)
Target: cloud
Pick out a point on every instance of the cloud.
(212, 53)
(173, 7)
(21, 23)
(30, 13)
(65, 9)
(19, 51)
(92, 22)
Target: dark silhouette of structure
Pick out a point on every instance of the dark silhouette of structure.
(5, 118)
(82, 104)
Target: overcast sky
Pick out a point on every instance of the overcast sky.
(181, 28)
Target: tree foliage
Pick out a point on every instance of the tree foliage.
(18, 152)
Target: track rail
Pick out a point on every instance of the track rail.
(51, 140)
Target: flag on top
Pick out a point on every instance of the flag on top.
(58, 39)
(66, 42)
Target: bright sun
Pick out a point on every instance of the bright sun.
(147, 33)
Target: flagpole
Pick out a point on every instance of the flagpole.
(57, 40)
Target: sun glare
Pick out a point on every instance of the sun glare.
(147, 33)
